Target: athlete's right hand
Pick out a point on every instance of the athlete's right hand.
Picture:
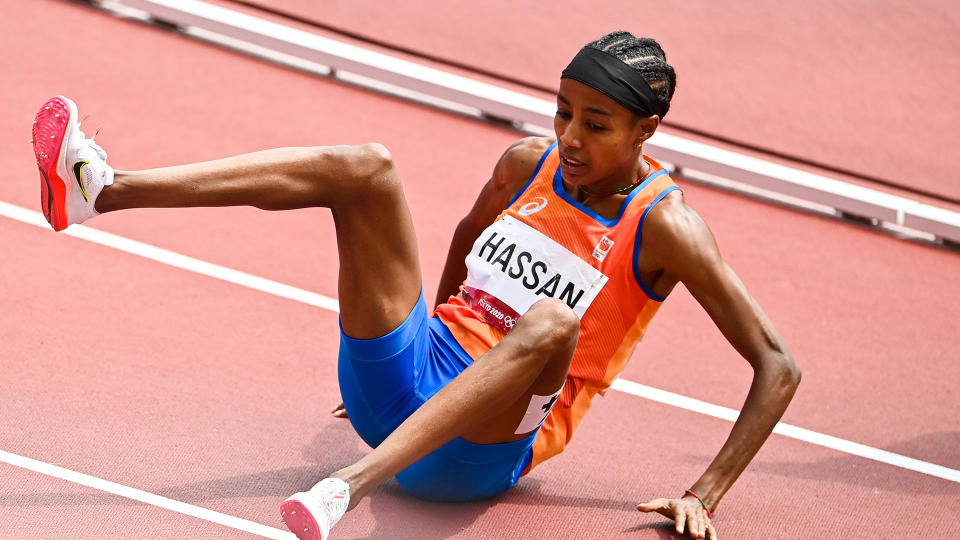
(339, 411)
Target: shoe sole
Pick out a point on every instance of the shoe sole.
(55, 119)
(299, 520)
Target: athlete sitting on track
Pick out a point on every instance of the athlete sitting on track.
(551, 279)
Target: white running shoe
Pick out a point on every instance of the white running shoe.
(311, 515)
(73, 169)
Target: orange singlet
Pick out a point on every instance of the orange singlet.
(547, 244)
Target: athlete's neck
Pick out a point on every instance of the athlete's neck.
(604, 189)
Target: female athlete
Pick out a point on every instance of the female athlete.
(550, 281)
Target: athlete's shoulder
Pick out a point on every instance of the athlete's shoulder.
(673, 218)
(519, 162)
(674, 232)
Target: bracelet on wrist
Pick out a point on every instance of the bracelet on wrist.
(697, 497)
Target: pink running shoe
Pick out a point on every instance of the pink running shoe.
(73, 169)
(311, 515)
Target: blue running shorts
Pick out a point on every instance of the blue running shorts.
(383, 380)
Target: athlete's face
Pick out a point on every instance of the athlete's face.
(599, 140)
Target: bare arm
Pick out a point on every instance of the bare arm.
(683, 246)
(511, 173)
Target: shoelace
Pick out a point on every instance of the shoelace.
(91, 142)
(334, 499)
(96, 148)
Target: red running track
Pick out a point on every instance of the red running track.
(216, 395)
(861, 85)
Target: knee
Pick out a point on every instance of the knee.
(369, 169)
(371, 159)
(346, 175)
(556, 326)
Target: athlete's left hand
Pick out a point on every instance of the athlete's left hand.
(688, 514)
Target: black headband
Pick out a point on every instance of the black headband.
(609, 75)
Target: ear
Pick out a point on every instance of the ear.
(646, 127)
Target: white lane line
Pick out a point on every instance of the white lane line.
(787, 430)
(144, 496)
(175, 259)
(318, 300)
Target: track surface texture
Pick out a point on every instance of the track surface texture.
(179, 384)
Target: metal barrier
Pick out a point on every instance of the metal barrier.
(358, 65)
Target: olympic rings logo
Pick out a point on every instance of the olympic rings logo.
(509, 321)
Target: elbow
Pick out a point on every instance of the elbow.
(780, 372)
(788, 373)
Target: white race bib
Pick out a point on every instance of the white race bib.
(512, 266)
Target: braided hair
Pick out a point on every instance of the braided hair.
(645, 56)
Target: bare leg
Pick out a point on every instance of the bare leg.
(378, 284)
(485, 403)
